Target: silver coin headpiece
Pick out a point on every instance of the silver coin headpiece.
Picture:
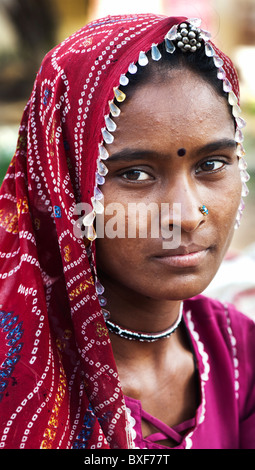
(189, 38)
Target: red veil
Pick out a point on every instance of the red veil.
(59, 386)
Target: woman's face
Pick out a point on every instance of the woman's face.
(174, 143)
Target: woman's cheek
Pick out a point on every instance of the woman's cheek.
(224, 207)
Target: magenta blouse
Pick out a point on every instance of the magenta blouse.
(223, 343)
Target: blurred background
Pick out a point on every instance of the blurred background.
(29, 28)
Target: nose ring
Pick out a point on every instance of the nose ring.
(204, 210)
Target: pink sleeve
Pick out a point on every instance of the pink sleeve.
(244, 331)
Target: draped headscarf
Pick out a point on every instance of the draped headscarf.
(59, 386)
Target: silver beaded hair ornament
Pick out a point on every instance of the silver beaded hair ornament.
(188, 37)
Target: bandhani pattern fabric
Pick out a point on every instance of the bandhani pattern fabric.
(59, 386)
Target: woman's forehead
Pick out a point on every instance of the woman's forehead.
(176, 107)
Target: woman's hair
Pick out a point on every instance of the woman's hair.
(197, 62)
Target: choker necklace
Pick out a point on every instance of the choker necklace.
(143, 336)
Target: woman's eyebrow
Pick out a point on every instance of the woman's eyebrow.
(128, 154)
(217, 145)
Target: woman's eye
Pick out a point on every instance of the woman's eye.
(135, 175)
(210, 166)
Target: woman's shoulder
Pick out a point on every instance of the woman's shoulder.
(208, 307)
(214, 314)
(228, 339)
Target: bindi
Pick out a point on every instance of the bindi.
(181, 152)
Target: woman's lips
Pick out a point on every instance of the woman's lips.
(184, 257)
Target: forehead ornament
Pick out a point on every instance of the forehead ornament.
(181, 152)
(188, 37)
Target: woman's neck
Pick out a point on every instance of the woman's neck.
(139, 313)
(160, 374)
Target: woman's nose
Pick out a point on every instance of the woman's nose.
(185, 198)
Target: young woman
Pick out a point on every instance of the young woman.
(105, 340)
